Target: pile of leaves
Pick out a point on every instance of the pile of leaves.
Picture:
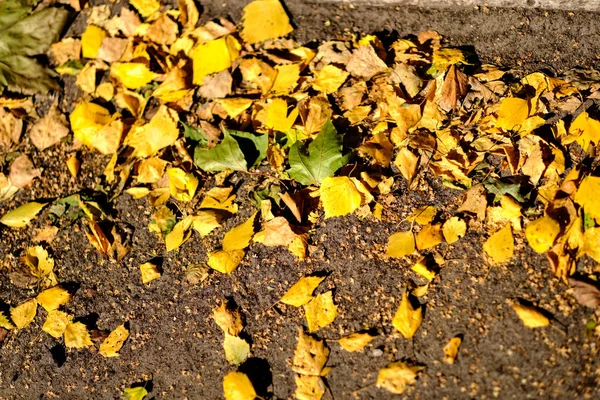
(323, 130)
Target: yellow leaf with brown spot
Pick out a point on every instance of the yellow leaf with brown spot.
(237, 386)
(91, 40)
(395, 377)
(512, 113)
(182, 185)
(400, 244)
(149, 272)
(239, 237)
(22, 215)
(56, 323)
(453, 229)
(236, 349)
(132, 75)
(451, 350)
(339, 196)
(160, 132)
(4, 322)
(531, 316)
(263, 20)
(320, 311)
(541, 233)
(214, 56)
(500, 245)
(407, 319)
(329, 79)
(228, 319)
(429, 236)
(77, 335)
(114, 342)
(53, 298)
(310, 355)
(302, 291)
(309, 387)
(23, 314)
(356, 341)
(225, 261)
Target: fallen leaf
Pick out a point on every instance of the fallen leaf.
(329, 79)
(278, 232)
(453, 229)
(225, 261)
(240, 237)
(585, 293)
(146, 7)
(541, 233)
(114, 342)
(451, 349)
(56, 323)
(320, 311)
(160, 132)
(77, 335)
(429, 236)
(23, 314)
(91, 40)
(395, 377)
(339, 196)
(512, 113)
(310, 356)
(228, 319)
(132, 75)
(237, 386)
(309, 387)
(422, 215)
(407, 319)
(51, 299)
(4, 322)
(149, 272)
(182, 185)
(263, 20)
(236, 349)
(22, 171)
(302, 291)
(214, 56)
(531, 316)
(400, 244)
(586, 196)
(355, 341)
(49, 130)
(500, 245)
(135, 393)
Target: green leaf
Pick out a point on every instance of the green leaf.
(12, 11)
(195, 133)
(25, 75)
(324, 157)
(253, 146)
(225, 155)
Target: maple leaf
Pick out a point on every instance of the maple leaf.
(323, 158)
(23, 36)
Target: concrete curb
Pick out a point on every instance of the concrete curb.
(573, 5)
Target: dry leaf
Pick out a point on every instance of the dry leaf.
(453, 229)
(239, 237)
(225, 261)
(51, 299)
(49, 130)
(407, 319)
(229, 320)
(400, 244)
(301, 292)
(149, 272)
(309, 387)
(310, 356)
(356, 341)
(500, 245)
(263, 20)
(320, 311)
(56, 323)
(585, 293)
(395, 377)
(531, 316)
(541, 233)
(114, 342)
(22, 171)
(451, 350)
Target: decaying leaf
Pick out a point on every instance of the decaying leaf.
(395, 377)
(320, 311)
(114, 342)
(310, 356)
(407, 319)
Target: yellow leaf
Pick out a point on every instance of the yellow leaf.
(149, 272)
(356, 341)
(286, 79)
(39, 262)
(512, 113)
(453, 229)
(93, 126)
(239, 237)
(429, 236)
(150, 170)
(112, 344)
(146, 7)
(106, 91)
(407, 319)
(400, 244)
(182, 185)
(263, 20)
(395, 377)
(451, 350)
(531, 317)
(301, 292)
(541, 233)
(339, 196)
(91, 40)
(422, 269)
(160, 132)
(225, 261)
(21, 216)
(137, 192)
(500, 245)
(135, 393)
(205, 221)
(583, 130)
(4, 322)
(51, 299)
(422, 215)
(444, 58)
(420, 291)
(278, 117)
(320, 311)
(310, 356)
(56, 323)
(220, 198)
(214, 56)
(77, 335)
(174, 87)
(73, 165)
(132, 75)
(407, 163)
(237, 386)
(23, 314)
(229, 320)
(236, 349)
(586, 196)
(309, 387)
(235, 106)
(329, 79)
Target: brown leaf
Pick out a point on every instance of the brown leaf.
(22, 172)
(49, 130)
(365, 63)
(278, 232)
(453, 90)
(585, 293)
(216, 86)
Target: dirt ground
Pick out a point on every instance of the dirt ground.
(175, 348)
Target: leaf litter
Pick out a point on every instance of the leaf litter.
(315, 132)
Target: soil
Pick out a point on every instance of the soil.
(175, 348)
